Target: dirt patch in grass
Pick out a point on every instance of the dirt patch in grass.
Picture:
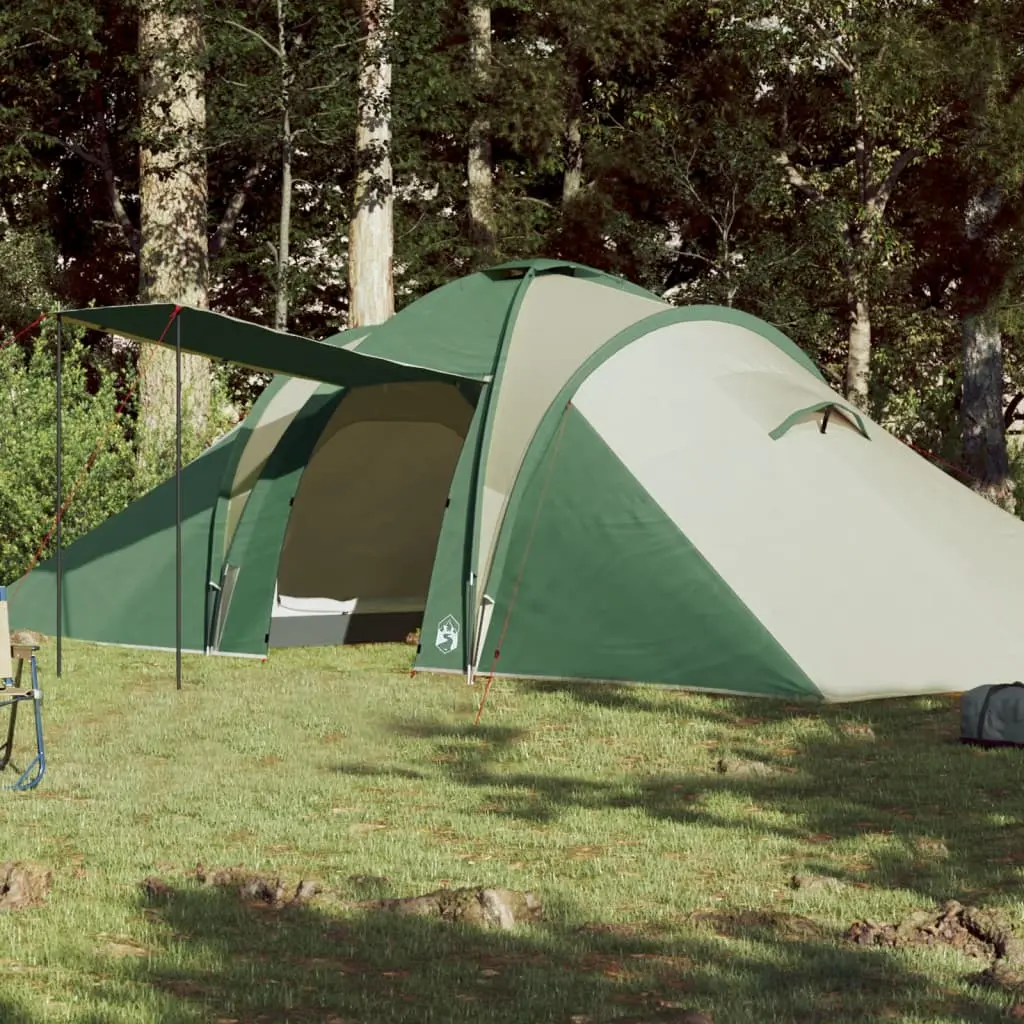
(121, 946)
(817, 883)
(983, 934)
(741, 923)
(625, 931)
(23, 885)
(374, 883)
(252, 888)
(975, 932)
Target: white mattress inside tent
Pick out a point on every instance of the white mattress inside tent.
(324, 621)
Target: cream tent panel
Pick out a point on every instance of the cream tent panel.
(879, 574)
(562, 321)
(368, 511)
(277, 417)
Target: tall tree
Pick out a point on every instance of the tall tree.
(371, 236)
(285, 84)
(173, 254)
(287, 149)
(281, 90)
(855, 96)
(480, 170)
(965, 218)
(572, 176)
(992, 151)
(981, 407)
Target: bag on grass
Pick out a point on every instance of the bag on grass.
(993, 715)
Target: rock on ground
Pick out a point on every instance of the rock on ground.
(748, 769)
(23, 885)
(486, 908)
(256, 888)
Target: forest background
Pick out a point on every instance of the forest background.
(852, 171)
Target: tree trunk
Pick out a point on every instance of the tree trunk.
(285, 220)
(371, 236)
(173, 256)
(479, 167)
(572, 176)
(981, 410)
(858, 352)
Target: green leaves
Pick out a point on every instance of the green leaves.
(28, 453)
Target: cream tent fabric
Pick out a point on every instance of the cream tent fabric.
(869, 567)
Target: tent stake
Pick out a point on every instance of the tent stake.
(177, 500)
(59, 496)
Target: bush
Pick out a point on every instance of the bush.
(28, 438)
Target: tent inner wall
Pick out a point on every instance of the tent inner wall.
(367, 514)
(265, 434)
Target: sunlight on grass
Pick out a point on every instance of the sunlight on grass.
(337, 765)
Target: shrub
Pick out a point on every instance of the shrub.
(28, 437)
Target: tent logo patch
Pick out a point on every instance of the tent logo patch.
(447, 635)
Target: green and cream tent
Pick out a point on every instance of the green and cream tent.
(560, 476)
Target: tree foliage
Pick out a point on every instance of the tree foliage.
(813, 162)
(93, 436)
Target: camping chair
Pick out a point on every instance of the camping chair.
(12, 694)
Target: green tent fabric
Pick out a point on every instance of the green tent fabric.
(207, 333)
(557, 475)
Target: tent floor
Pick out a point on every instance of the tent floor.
(333, 630)
(383, 628)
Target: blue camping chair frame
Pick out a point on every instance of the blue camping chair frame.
(12, 696)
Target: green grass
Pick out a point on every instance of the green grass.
(604, 801)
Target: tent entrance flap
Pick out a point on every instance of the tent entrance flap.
(361, 538)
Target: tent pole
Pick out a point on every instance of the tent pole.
(59, 495)
(177, 500)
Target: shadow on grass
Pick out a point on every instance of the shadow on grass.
(940, 818)
(365, 769)
(13, 1013)
(305, 964)
(648, 697)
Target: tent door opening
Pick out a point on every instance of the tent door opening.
(361, 539)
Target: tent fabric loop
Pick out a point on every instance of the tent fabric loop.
(827, 407)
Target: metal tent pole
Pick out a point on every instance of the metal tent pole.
(59, 496)
(177, 499)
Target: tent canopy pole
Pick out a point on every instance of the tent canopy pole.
(177, 501)
(58, 497)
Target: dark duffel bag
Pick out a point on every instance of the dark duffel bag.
(993, 716)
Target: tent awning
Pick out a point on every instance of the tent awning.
(219, 336)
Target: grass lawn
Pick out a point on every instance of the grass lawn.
(337, 766)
